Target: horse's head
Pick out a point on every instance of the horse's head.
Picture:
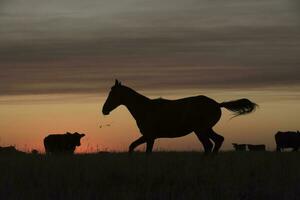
(114, 98)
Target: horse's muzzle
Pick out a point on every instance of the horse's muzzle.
(105, 112)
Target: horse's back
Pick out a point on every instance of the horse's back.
(194, 103)
(200, 99)
(182, 116)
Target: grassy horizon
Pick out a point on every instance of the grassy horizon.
(162, 175)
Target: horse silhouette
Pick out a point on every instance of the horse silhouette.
(162, 118)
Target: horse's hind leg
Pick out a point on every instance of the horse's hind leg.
(204, 139)
(218, 139)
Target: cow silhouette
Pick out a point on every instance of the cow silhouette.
(287, 139)
(256, 147)
(239, 147)
(62, 143)
(162, 118)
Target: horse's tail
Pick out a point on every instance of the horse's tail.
(240, 106)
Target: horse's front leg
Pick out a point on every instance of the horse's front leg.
(136, 143)
(150, 143)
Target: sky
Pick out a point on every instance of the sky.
(59, 58)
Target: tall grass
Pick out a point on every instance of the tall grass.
(162, 175)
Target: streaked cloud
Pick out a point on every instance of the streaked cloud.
(64, 46)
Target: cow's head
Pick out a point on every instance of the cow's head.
(75, 138)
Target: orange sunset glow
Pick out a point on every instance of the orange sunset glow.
(59, 59)
(26, 120)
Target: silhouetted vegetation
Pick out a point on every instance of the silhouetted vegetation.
(163, 175)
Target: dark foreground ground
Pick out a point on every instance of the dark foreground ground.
(165, 175)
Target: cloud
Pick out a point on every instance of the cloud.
(80, 47)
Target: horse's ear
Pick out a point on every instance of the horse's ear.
(117, 83)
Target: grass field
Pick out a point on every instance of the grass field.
(162, 175)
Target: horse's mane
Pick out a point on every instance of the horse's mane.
(135, 93)
(161, 100)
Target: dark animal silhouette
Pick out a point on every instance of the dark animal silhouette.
(256, 147)
(62, 143)
(239, 147)
(287, 139)
(9, 150)
(162, 118)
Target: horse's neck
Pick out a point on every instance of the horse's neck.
(136, 104)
